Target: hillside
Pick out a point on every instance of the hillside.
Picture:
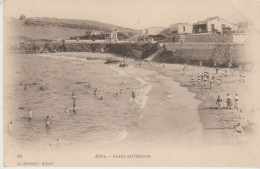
(53, 28)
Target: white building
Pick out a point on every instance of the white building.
(153, 30)
(110, 36)
(181, 28)
(213, 24)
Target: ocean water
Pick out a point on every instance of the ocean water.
(163, 112)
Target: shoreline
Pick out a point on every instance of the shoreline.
(157, 90)
(208, 113)
(211, 120)
(127, 139)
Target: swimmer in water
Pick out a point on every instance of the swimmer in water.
(66, 110)
(42, 88)
(30, 114)
(48, 121)
(73, 95)
(95, 92)
(133, 95)
(215, 64)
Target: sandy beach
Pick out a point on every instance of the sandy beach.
(168, 116)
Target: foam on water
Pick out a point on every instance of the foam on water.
(142, 92)
(93, 125)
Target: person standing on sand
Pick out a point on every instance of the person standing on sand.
(192, 80)
(244, 77)
(240, 69)
(226, 72)
(25, 87)
(215, 64)
(219, 82)
(74, 107)
(205, 80)
(200, 64)
(48, 121)
(211, 83)
(219, 102)
(216, 70)
(133, 95)
(30, 114)
(184, 67)
(239, 129)
(229, 102)
(229, 65)
(213, 77)
(199, 78)
(236, 102)
(10, 126)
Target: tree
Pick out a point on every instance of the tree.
(22, 17)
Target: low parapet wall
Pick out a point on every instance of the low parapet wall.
(132, 50)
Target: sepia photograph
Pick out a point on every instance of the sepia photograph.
(131, 83)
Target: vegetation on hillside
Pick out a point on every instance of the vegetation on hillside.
(53, 28)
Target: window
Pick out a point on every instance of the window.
(212, 27)
(183, 28)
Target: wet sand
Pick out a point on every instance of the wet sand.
(219, 126)
(165, 120)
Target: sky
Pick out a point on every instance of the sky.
(135, 14)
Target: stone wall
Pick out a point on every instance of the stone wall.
(208, 53)
(208, 38)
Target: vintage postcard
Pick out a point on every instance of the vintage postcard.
(131, 83)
